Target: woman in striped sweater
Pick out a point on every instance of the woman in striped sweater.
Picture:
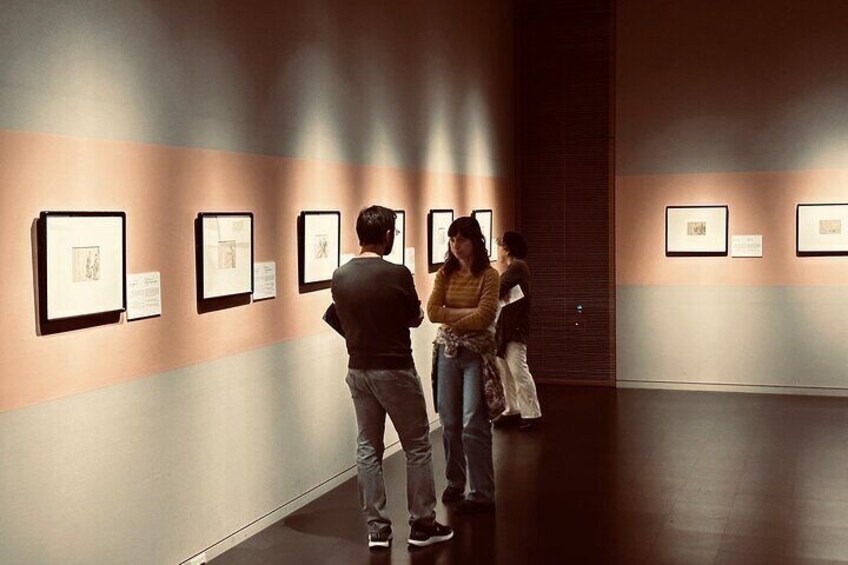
(465, 301)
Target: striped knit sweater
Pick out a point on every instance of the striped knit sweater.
(466, 291)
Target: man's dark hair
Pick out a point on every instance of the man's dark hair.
(373, 223)
(469, 228)
(514, 244)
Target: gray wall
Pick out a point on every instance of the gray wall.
(158, 469)
(351, 80)
(779, 338)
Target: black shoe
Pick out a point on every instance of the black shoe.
(452, 495)
(474, 507)
(380, 540)
(421, 536)
(530, 424)
(506, 420)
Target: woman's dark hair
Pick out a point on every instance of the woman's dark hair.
(514, 244)
(373, 223)
(468, 228)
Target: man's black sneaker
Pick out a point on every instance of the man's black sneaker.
(474, 507)
(421, 536)
(506, 420)
(452, 495)
(380, 540)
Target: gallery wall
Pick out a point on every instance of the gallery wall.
(738, 104)
(153, 440)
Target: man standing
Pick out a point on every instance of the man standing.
(376, 304)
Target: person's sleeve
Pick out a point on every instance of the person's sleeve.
(487, 308)
(437, 298)
(509, 279)
(412, 300)
(331, 315)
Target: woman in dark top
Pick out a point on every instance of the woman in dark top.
(522, 403)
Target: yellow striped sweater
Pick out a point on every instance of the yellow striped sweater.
(466, 291)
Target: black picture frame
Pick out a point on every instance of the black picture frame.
(822, 248)
(676, 242)
(215, 284)
(323, 237)
(81, 267)
(481, 215)
(399, 247)
(438, 219)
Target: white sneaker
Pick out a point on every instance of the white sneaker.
(380, 541)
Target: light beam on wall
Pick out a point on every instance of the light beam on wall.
(222, 117)
(383, 142)
(480, 161)
(310, 75)
(439, 160)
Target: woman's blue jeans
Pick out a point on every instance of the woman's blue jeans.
(466, 430)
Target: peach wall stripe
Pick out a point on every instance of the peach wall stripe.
(162, 189)
(759, 203)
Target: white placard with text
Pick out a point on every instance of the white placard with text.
(144, 295)
(264, 280)
(746, 246)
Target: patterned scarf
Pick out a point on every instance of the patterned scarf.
(482, 343)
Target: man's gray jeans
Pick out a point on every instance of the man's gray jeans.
(398, 393)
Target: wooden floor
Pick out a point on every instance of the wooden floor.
(627, 476)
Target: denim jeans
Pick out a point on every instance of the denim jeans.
(466, 430)
(519, 388)
(397, 393)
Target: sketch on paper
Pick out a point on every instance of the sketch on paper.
(438, 225)
(86, 264)
(227, 254)
(830, 227)
(225, 258)
(484, 217)
(442, 237)
(696, 228)
(321, 245)
(318, 247)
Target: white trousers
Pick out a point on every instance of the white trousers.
(519, 388)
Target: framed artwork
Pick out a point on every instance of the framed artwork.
(437, 238)
(397, 256)
(319, 245)
(821, 229)
(226, 254)
(484, 218)
(82, 264)
(696, 231)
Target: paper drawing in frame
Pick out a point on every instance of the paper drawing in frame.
(821, 229)
(484, 218)
(319, 246)
(82, 264)
(437, 236)
(693, 231)
(226, 241)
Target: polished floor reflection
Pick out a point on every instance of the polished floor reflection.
(627, 476)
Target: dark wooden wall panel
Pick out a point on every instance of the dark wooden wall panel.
(564, 171)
